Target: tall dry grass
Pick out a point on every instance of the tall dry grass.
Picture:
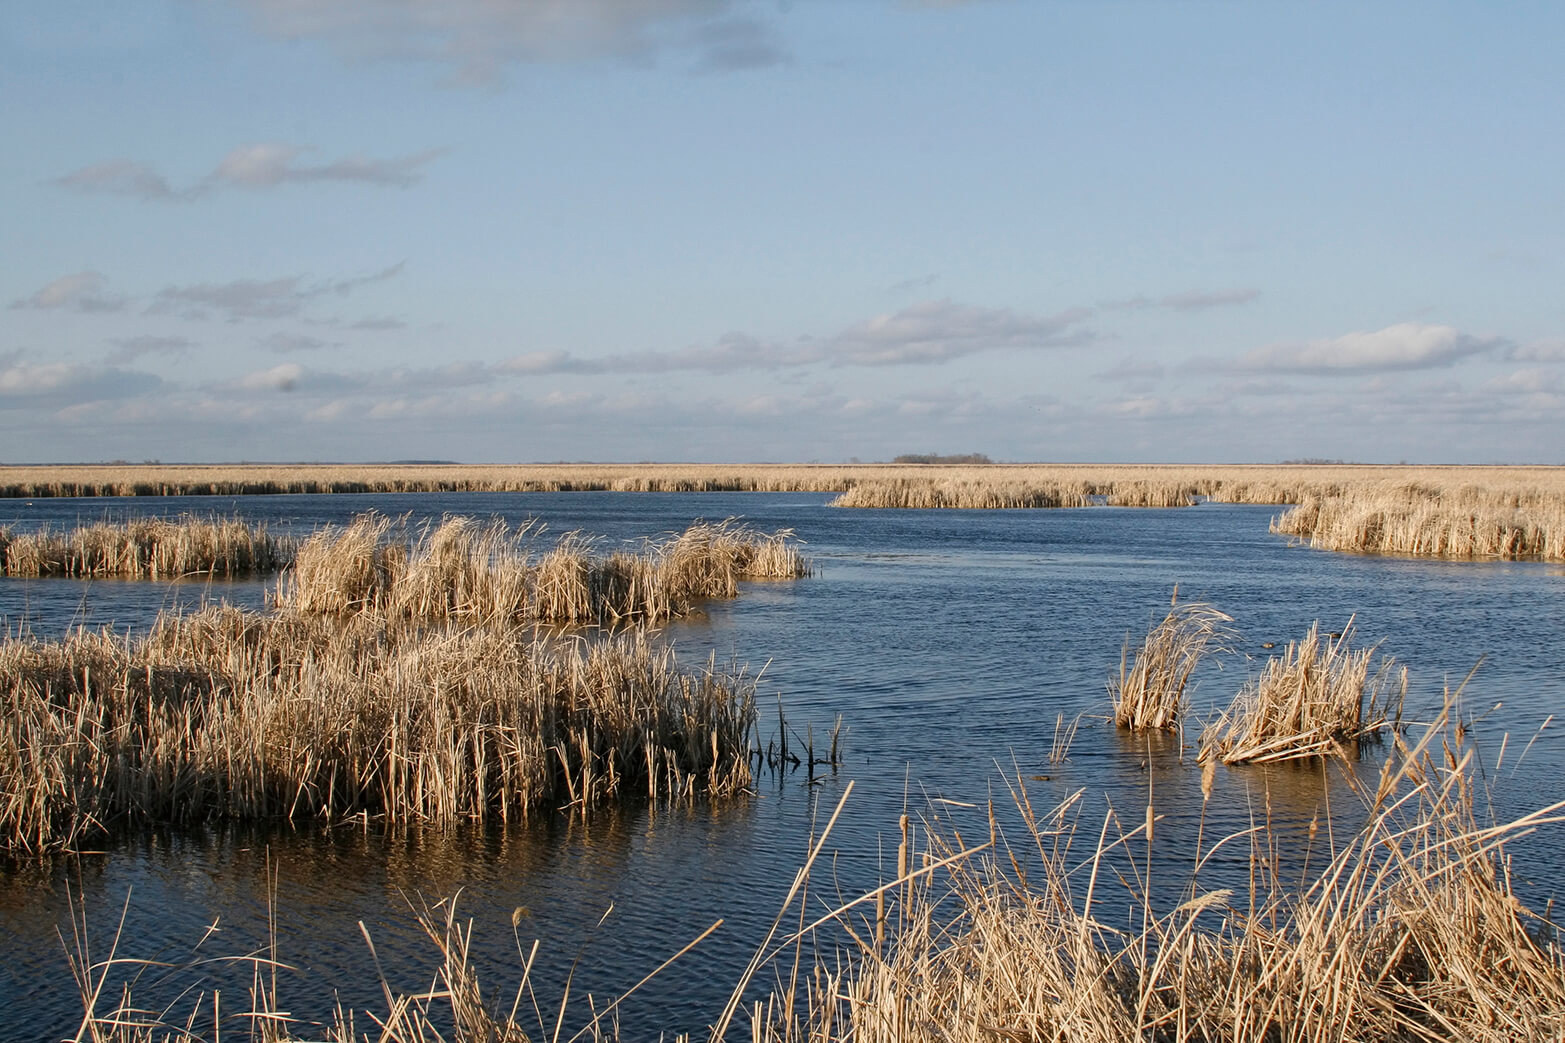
(486, 574)
(147, 548)
(1319, 697)
(1425, 521)
(1151, 690)
(1406, 928)
(235, 715)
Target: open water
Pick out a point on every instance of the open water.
(950, 642)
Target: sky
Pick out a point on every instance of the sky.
(782, 230)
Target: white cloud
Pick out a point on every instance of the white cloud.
(1404, 346)
(1549, 349)
(81, 292)
(22, 382)
(261, 165)
(476, 39)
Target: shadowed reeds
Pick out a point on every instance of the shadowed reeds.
(233, 715)
(1318, 697)
(1150, 691)
(147, 548)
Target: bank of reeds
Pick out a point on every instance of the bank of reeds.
(1318, 698)
(921, 493)
(1424, 521)
(1150, 691)
(1404, 929)
(227, 715)
(147, 548)
(487, 574)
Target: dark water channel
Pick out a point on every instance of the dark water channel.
(950, 642)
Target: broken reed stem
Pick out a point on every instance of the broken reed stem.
(1318, 698)
(234, 715)
(486, 574)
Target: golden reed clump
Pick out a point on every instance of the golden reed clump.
(1319, 697)
(486, 574)
(228, 714)
(147, 548)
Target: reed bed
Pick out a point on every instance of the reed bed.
(1318, 698)
(232, 715)
(147, 548)
(1150, 691)
(1408, 929)
(1419, 520)
(487, 574)
(1237, 483)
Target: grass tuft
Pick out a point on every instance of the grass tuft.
(1150, 691)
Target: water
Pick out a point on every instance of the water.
(950, 642)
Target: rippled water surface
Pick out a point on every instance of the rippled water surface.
(951, 643)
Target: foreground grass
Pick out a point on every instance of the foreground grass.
(1406, 929)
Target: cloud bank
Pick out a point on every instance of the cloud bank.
(1405, 346)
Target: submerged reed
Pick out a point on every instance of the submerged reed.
(234, 715)
(147, 548)
(1150, 691)
(1318, 697)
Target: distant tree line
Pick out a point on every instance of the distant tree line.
(935, 458)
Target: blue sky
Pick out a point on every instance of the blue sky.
(517, 230)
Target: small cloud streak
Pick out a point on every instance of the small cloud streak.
(255, 167)
(477, 39)
(1188, 300)
(245, 299)
(129, 349)
(929, 333)
(1405, 346)
(81, 292)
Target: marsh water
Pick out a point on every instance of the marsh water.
(952, 643)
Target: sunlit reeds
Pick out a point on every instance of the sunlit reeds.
(1419, 520)
(485, 573)
(1151, 690)
(1319, 697)
(147, 548)
(235, 715)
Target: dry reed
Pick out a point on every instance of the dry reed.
(1425, 521)
(1319, 697)
(147, 548)
(1408, 930)
(233, 715)
(486, 574)
(1150, 691)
